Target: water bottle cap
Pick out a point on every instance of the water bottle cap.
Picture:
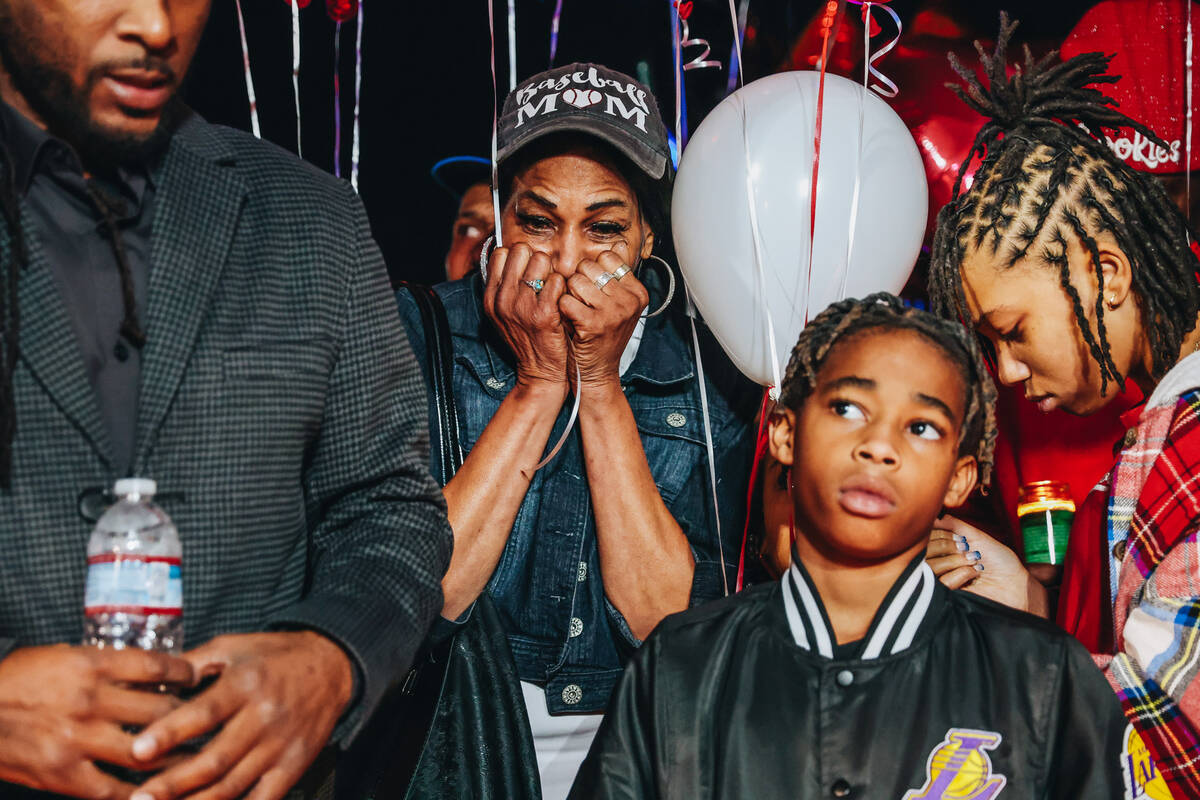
(140, 486)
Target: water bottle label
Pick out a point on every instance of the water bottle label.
(133, 584)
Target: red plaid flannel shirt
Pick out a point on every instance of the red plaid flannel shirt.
(1152, 524)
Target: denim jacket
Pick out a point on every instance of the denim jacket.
(564, 633)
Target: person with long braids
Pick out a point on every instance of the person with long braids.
(1077, 271)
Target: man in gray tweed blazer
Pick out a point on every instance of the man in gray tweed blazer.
(183, 302)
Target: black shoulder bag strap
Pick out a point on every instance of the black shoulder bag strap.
(456, 726)
(439, 348)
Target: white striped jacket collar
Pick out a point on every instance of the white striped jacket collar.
(895, 624)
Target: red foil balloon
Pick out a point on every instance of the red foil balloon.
(942, 125)
(341, 10)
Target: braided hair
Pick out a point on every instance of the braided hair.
(1047, 178)
(882, 311)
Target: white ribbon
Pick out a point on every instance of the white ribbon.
(358, 59)
(512, 44)
(249, 78)
(296, 67)
(495, 127)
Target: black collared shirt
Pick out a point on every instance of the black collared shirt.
(74, 240)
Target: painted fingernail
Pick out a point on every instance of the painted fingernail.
(974, 555)
(979, 567)
(144, 747)
(961, 544)
(141, 796)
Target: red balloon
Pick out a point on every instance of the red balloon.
(943, 126)
(341, 10)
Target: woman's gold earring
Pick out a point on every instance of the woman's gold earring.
(1112, 302)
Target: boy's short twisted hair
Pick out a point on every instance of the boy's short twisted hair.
(885, 312)
(1046, 177)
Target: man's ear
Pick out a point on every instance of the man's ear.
(781, 435)
(962, 481)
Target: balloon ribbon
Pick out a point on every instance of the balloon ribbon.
(760, 454)
(249, 78)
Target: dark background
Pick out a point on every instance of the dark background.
(427, 85)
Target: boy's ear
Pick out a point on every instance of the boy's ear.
(962, 481)
(781, 430)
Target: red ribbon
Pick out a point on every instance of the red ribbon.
(831, 12)
(760, 455)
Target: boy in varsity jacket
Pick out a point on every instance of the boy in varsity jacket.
(858, 675)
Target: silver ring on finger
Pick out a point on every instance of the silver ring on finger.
(621, 272)
(537, 285)
(603, 279)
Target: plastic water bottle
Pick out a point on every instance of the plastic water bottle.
(134, 593)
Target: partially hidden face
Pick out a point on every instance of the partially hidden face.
(874, 448)
(100, 72)
(1031, 321)
(575, 205)
(472, 224)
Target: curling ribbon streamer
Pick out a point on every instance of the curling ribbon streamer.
(567, 430)
(496, 207)
(296, 67)
(888, 87)
(495, 126)
(678, 42)
(339, 11)
(866, 20)
(739, 16)
(708, 439)
(702, 60)
(337, 100)
(678, 57)
(760, 454)
(554, 31)
(512, 44)
(355, 149)
(249, 78)
(738, 19)
(756, 235)
(831, 10)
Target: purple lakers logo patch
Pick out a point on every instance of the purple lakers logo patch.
(959, 768)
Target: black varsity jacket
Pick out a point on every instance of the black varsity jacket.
(948, 697)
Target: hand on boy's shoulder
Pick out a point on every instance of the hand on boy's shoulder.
(964, 557)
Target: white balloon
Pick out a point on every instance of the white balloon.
(765, 131)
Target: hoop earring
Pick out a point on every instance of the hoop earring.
(484, 255)
(670, 286)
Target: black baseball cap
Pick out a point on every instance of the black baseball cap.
(592, 99)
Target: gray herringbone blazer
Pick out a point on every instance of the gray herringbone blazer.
(278, 394)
